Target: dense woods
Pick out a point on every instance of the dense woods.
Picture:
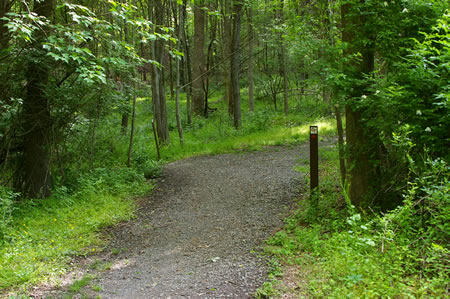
(81, 82)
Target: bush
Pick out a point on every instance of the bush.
(7, 199)
(150, 168)
(114, 181)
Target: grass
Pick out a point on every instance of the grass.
(42, 241)
(79, 284)
(44, 235)
(329, 249)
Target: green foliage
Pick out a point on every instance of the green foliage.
(79, 284)
(7, 202)
(150, 168)
(91, 76)
(402, 253)
(416, 94)
(72, 221)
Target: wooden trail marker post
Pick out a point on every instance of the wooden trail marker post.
(314, 157)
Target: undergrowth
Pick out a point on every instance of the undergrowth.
(43, 235)
(363, 254)
(38, 238)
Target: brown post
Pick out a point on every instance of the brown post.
(314, 156)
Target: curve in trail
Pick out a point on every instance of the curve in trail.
(201, 231)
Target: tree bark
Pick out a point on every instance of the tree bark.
(125, 99)
(283, 63)
(133, 119)
(340, 131)
(198, 60)
(177, 70)
(251, 81)
(226, 52)
(358, 168)
(5, 6)
(235, 51)
(158, 90)
(188, 69)
(37, 120)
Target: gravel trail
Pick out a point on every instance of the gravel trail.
(201, 231)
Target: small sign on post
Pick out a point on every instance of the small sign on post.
(314, 156)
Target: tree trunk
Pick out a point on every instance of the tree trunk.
(133, 119)
(177, 70)
(155, 92)
(209, 61)
(226, 52)
(235, 51)
(340, 131)
(251, 83)
(125, 99)
(198, 61)
(37, 120)
(283, 63)
(158, 91)
(359, 170)
(5, 6)
(188, 69)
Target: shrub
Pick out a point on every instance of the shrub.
(7, 199)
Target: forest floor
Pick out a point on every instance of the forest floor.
(201, 232)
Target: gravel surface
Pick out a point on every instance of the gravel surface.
(201, 231)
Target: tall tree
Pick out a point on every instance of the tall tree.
(251, 77)
(158, 88)
(187, 64)
(226, 51)
(358, 156)
(283, 62)
(36, 114)
(198, 59)
(180, 32)
(235, 55)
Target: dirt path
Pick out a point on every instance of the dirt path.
(201, 231)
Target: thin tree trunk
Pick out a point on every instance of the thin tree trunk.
(158, 92)
(125, 114)
(251, 83)
(165, 137)
(284, 63)
(133, 119)
(340, 131)
(93, 137)
(237, 9)
(177, 70)
(226, 52)
(198, 61)
(188, 69)
(155, 92)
